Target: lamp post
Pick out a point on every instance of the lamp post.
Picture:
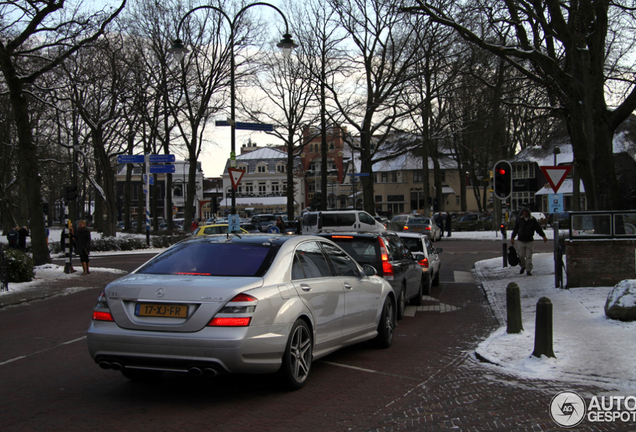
(178, 50)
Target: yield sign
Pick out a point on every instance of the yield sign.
(235, 176)
(556, 175)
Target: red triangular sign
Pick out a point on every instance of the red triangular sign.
(556, 175)
(235, 176)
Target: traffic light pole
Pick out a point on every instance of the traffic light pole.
(504, 237)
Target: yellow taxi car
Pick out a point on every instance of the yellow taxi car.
(214, 229)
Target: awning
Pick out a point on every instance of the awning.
(447, 190)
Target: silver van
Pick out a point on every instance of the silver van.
(339, 221)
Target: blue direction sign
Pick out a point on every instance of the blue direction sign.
(161, 158)
(159, 169)
(248, 126)
(130, 159)
(152, 180)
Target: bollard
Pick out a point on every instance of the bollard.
(543, 330)
(513, 306)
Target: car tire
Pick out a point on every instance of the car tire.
(141, 374)
(297, 357)
(417, 300)
(435, 281)
(401, 303)
(427, 284)
(386, 327)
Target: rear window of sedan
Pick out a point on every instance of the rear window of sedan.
(365, 250)
(213, 259)
(419, 221)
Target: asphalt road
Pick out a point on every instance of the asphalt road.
(428, 380)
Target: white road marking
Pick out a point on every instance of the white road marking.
(41, 351)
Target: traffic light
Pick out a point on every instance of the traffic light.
(502, 179)
(70, 193)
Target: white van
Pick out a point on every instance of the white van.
(340, 220)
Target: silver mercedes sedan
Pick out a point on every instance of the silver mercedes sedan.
(253, 303)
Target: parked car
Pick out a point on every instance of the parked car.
(214, 229)
(431, 263)
(391, 258)
(564, 220)
(474, 222)
(291, 227)
(264, 221)
(423, 225)
(248, 304)
(383, 220)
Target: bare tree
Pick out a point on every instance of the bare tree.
(573, 50)
(371, 100)
(38, 37)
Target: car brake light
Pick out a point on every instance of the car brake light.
(387, 267)
(102, 316)
(238, 312)
(406, 228)
(102, 312)
(428, 228)
(342, 237)
(424, 262)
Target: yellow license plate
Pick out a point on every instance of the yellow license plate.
(161, 310)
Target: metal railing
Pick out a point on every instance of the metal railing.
(603, 224)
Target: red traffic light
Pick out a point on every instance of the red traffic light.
(501, 171)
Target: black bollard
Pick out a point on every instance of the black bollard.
(513, 306)
(543, 331)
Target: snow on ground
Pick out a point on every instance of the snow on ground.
(589, 347)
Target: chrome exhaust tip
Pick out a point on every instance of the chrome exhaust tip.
(104, 365)
(195, 371)
(116, 366)
(209, 372)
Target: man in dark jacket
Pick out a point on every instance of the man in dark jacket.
(12, 237)
(525, 227)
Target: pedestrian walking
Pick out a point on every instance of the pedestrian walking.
(525, 227)
(449, 222)
(12, 237)
(83, 245)
(194, 225)
(23, 233)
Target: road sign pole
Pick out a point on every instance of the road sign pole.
(147, 200)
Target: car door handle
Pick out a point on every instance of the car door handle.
(305, 287)
(347, 285)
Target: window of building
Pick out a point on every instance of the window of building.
(275, 187)
(417, 176)
(383, 177)
(261, 168)
(249, 188)
(262, 188)
(242, 167)
(281, 167)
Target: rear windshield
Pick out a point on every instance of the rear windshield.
(213, 259)
(365, 250)
(414, 244)
(419, 221)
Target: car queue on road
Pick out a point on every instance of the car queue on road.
(262, 303)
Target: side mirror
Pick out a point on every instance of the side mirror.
(418, 256)
(369, 270)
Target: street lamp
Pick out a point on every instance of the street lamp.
(178, 50)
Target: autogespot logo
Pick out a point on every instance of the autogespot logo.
(567, 409)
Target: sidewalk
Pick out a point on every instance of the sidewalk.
(589, 347)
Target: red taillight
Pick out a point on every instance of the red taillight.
(193, 274)
(406, 228)
(237, 312)
(424, 262)
(342, 237)
(230, 322)
(102, 316)
(387, 268)
(428, 228)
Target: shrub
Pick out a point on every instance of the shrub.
(19, 266)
